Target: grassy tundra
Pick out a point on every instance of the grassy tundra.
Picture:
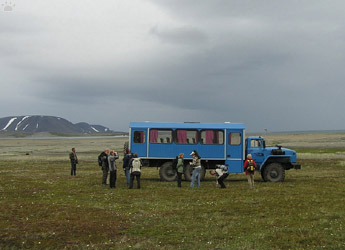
(41, 206)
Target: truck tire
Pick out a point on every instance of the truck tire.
(188, 171)
(262, 172)
(274, 172)
(166, 172)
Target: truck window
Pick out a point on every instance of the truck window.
(255, 143)
(184, 136)
(212, 137)
(160, 136)
(139, 137)
(234, 138)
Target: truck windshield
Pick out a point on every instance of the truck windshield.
(256, 143)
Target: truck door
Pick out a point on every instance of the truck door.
(139, 142)
(234, 151)
(255, 147)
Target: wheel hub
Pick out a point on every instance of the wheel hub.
(274, 174)
(170, 172)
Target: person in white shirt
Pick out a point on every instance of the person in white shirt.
(221, 173)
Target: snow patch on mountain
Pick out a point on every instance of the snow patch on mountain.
(26, 126)
(95, 129)
(9, 123)
(25, 117)
(38, 123)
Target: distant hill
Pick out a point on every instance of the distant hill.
(37, 124)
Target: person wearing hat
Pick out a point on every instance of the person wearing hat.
(249, 168)
(196, 164)
(221, 173)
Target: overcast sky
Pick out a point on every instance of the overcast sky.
(271, 64)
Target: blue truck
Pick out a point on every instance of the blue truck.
(158, 144)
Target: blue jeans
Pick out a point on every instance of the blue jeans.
(196, 174)
(128, 176)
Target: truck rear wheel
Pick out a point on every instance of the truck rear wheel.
(166, 172)
(274, 172)
(189, 171)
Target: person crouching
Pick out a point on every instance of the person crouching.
(221, 173)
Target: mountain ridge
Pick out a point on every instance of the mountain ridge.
(52, 124)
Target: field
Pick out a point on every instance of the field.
(42, 206)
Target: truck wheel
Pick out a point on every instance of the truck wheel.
(202, 173)
(166, 172)
(274, 172)
(262, 171)
(189, 171)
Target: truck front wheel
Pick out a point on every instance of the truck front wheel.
(166, 172)
(262, 171)
(274, 172)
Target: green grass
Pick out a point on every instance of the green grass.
(41, 206)
(320, 150)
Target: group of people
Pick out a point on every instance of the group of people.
(221, 171)
(107, 160)
(131, 165)
(132, 168)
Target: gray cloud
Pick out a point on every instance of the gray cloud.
(181, 35)
(271, 64)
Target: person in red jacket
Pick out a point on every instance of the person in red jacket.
(249, 167)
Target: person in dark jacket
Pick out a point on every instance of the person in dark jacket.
(112, 168)
(135, 165)
(74, 161)
(105, 166)
(126, 159)
(179, 169)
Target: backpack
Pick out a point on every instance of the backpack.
(100, 159)
(136, 164)
(127, 160)
(250, 166)
(223, 167)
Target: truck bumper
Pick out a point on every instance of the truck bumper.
(296, 166)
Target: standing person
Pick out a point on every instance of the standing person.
(196, 164)
(74, 161)
(105, 166)
(249, 167)
(135, 170)
(112, 168)
(221, 173)
(179, 169)
(126, 159)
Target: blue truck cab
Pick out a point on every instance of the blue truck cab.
(272, 161)
(158, 144)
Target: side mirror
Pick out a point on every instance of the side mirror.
(264, 143)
